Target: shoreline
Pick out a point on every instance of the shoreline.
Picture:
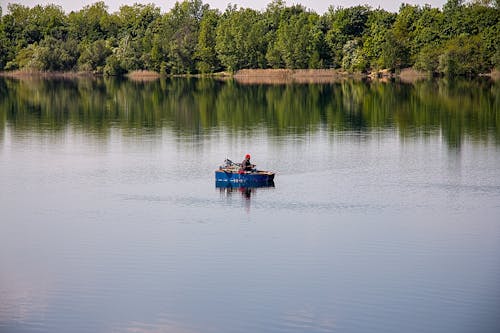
(256, 76)
(34, 74)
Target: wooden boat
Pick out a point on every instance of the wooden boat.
(231, 173)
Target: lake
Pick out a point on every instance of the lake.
(384, 215)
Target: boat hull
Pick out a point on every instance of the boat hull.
(247, 178)
(232, 185)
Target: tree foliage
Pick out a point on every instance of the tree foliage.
(297, 41)
(205, 53)
(239, 39)
(347, 27)
(462, 38)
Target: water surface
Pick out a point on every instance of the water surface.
(384, 216)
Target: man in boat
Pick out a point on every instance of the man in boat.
(246, 165)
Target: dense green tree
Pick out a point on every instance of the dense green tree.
(58, 55)
(93, 56)
(402, 35)
(185, 18)
(480, 16)
(428, 58)
(16, 36)
(173, 48)
(24, 58)
(297, 41)
(205, 49)
(463, 55)
(353, 59)
(277, 14)
(346, 24)
(426, 40)
(89, 24)
(483, 20)
(239, 40)
(375, 38)
(395, 54)
(128, 54)
(49, 55)
(4, 44)
(134, 20)
(135, 36)
(470, 52)
(23, 26)
(324, 53)
(428, 29)
(49, 20)
(19, 26)
(491, 39)
(113, 66)
(453, 11)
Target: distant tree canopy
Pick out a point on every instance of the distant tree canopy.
(462, 38)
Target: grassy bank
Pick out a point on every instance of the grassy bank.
(257, 76)
(42, 74)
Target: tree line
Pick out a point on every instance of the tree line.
(462, 38)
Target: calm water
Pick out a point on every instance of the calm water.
(384, 217)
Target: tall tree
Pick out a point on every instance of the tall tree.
(49, 55)
(4, 44)
(16, 24)
(136, 36)
(205, 49)
(50, 20)
(453, 13)
(298, 40)
(277, 12)
(239, 41)
(374, 40)
(345, 24)
(463, 55)
(399, 48)
(89, 24)
(134, 20)
(178, 37)
(93, 56)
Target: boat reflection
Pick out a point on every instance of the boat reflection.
(246, 190)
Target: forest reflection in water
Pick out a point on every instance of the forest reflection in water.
(456, 110)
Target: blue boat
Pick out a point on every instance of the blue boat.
(231, 173)
(247, 184)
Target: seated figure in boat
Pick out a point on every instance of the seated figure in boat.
(246, 165)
